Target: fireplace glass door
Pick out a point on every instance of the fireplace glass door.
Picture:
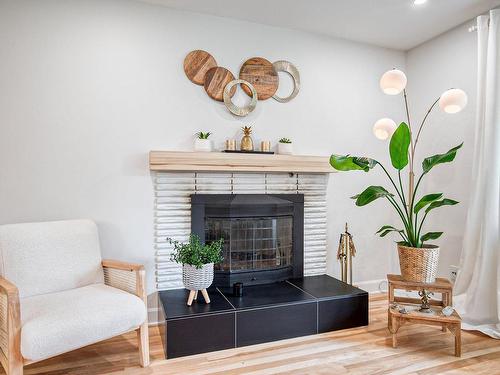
(260, 243)
(263, 235)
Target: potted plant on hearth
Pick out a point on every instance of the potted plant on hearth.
(197, 261)
(202, 143)
(418, 259)
(285, 146)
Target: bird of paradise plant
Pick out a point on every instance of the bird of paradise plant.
(402, 147)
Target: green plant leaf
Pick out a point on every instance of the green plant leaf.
(398, 147)
(351, 163)
(195, 253)
(202, 135)
(447, 157)
(444, 202)
(386, 229)
(364, 162)
(430, 236)
(383, 234)
(370, 194)
(425, 200)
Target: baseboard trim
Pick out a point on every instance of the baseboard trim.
(372, 286)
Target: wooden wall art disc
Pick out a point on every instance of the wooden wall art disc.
(216, 80)
(261, 75)
(196, 65)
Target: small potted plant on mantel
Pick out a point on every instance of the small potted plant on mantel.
(202, 143)
(418, 259)
(285, 146)
(197, 261)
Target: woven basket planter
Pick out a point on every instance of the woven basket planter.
(418, 264)
(197, 278)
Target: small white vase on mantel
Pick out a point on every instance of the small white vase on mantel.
(285, 148)
(202, 145)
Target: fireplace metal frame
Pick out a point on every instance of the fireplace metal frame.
(247, 206)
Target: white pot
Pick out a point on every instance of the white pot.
(285, 148)
(202, 145)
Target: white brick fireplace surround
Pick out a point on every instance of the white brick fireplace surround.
(173, 211)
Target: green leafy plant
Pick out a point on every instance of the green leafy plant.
(195, 253)
(285, 140)
(202, 135)
(412, 212)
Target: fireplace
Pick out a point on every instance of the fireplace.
(263, 235)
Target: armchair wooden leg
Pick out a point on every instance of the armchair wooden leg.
(15, 369)
(143, 341)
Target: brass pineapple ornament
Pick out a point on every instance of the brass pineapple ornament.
(246, 141)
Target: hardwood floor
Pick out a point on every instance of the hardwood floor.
(367, 350)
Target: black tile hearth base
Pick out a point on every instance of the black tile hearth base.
(256, 326)
(269, 312)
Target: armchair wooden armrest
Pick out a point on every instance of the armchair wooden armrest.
(129, 277)
(10, 328)
(110, 263)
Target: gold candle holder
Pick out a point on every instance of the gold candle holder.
(231, 144)
(265, 146)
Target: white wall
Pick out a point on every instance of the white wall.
(89, 87)
(442, 63)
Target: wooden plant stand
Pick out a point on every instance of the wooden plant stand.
(396, 319)
(193, 295)
(441, 285)
(453, 323)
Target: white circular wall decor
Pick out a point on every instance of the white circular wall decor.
(239, 111)
(288, 67)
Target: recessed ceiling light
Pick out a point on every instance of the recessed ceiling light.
(419, 2)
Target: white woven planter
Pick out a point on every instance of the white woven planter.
(197, 278)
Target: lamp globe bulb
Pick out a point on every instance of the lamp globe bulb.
(384, 128)
(453, 100)
(393, 82)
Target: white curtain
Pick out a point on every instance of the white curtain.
(477, 287)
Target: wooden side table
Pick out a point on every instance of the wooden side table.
(397, 319)
(452, 322)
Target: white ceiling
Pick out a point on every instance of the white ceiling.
(397, 24)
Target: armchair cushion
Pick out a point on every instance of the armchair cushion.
(50, 257)
(58, 322)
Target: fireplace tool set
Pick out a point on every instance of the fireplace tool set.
(345, 253)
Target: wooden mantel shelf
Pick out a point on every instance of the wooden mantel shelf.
(234, 162)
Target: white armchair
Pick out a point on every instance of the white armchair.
(57, 294)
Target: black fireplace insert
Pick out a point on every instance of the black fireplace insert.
(263, 235)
